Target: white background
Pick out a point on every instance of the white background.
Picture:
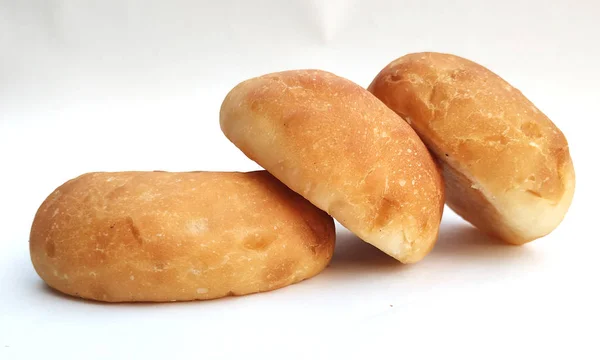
(137, 85)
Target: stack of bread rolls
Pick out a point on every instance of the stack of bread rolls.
(431, 129)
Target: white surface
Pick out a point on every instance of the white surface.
(133, 85)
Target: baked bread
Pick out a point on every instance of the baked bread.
(337, 145)
(159, 236)
(506, 166)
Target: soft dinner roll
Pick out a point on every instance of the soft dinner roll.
(158, 236)
(506, 166)
(334, 143)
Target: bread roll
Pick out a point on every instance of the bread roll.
(506, 166)
(158, 236)
(334, 143)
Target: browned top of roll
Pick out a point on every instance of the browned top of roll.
(160, 236)
(483, 128)
(337, 145)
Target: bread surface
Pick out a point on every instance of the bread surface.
(507, 167)
(159, 236)
(337, 145)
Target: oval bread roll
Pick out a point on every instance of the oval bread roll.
(506, 166)
(158, 236)
(334, 143)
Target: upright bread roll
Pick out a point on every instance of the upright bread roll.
(506, 166)
(334, 143)
(158, 236)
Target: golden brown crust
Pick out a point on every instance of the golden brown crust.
(334, 143)
(502, 152)
(159, 236)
